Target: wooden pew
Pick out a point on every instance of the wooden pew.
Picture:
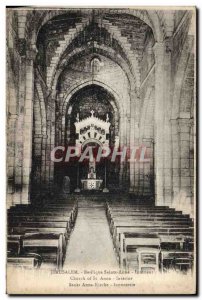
(135, 241)
(144, 222)
(21, 230)
(42, 216)
(35, 224)
(175, 238)
(151, 217)
(126, 206)
(38, 242)
(127, 221)
(48, 212)
(176, 260)
(42, 228)
(166, 234)
(42, 242)
(14, 243)
(25, 261)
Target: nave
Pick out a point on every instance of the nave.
(74, 231)
(90, 244)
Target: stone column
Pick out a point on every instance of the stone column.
(183, 160)
(50, 142)
(11, 158)
(159, 51)
(19, 138)
(132, 139)
(167, 125)
(43, 161)
(185, 165)
(175, 159)
(28, 125)
(148, 168)
(122, 143)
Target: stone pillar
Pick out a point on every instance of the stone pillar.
(11, 159)
(175, 160)
(122, 143)
(148, 168)
(19, 139)
(167, 125)
(132, 138)
(50, 142)
(137, 143)
(48, 149)
(127, 144)
(43, 161)
(28, 125)
(159, 51)
(185, 166)
(68, 131)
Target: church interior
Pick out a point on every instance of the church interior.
(101, 77)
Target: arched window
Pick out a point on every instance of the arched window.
(95, 65)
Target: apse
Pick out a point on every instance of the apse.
(97, 101)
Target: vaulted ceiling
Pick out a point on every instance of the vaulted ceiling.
(122, 36)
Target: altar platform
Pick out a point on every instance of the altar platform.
(91, 184)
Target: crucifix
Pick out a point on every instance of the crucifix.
(92, 113)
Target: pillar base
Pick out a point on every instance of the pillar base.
(77, 190)
(131, 190)
(105, 190)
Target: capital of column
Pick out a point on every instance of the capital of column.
(133, 94)
(169, 44)
(182, 122)
(159, 49)
(22, 45)
(31, 53)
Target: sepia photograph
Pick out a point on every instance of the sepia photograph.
(101, 150)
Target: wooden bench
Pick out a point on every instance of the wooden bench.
(38, 242)
(44, 229)
(22, 230)
(29, 261)
(129, 223)
(166, 234)
(148, 225)
(47, 210)
(176, 260)
(144, 222)
(150, 218)
(35, 224)
(43, 242)
(148, 259)
(135, 241)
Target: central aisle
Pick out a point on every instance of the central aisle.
(90, 244)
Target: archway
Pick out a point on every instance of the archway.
(89, 99)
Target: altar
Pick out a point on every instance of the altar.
(91, 130)
(91, 184)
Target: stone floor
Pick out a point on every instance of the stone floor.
(90, 244)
